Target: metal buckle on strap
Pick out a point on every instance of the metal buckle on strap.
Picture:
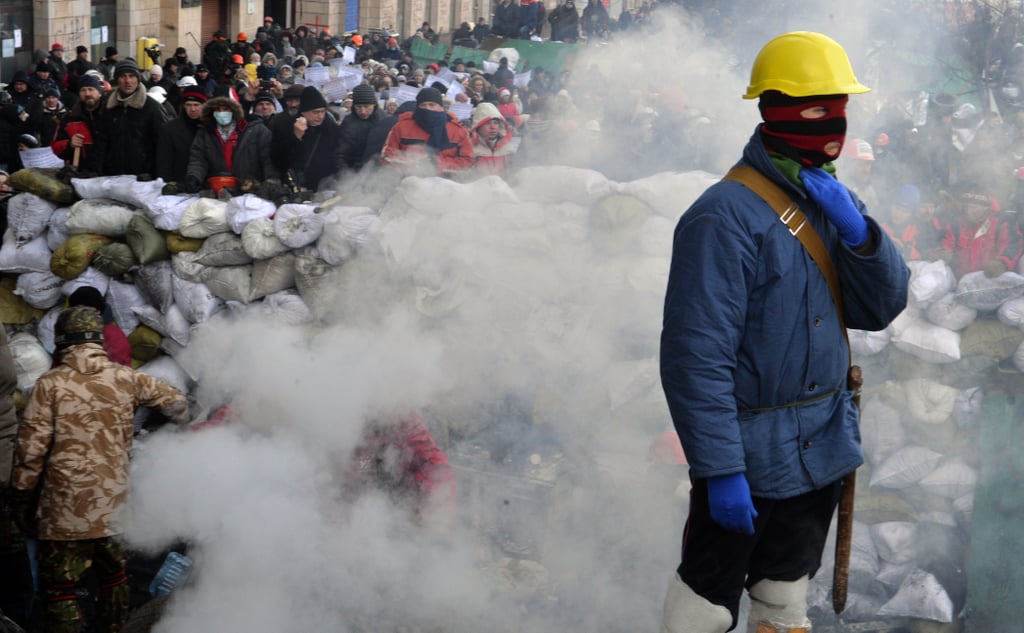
(791, 212)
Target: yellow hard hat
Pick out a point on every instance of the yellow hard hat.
(803, 64)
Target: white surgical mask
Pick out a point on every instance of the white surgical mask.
(223, 119)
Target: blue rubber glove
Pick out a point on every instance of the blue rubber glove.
(731, 505)
(833, 198)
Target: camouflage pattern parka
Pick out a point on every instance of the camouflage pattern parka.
(75, 441)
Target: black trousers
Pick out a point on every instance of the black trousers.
(789, 536)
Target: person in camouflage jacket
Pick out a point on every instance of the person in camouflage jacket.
(73, 449)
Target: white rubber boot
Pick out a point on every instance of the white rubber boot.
(687, 612)
(778, 606)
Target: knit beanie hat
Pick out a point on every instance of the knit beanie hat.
(126, 66)
(429, 94)
(88, 81)
(311, 99)
(364, 95)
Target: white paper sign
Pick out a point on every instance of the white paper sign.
(318, 75)
(335, 90)
(455, 88)
(447, 76)
(522, 80)
(433, 79)
(490, 67)
(349, 55)
(17, 38)
(462, 111)
(405, 93)
(40, 157)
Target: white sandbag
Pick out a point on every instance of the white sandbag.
(951, 479)
(89, 188)
(124, 188)
(435, 196)
(881, 430)
(864, 560)
(345, 230)
(222, 249)
(556, 183)
(44, 330)
(99, 216)
(894, 541)
(89, 277)
(170, 322)
(297, 225)
(166, 369)
(920, 596)
(669, 193)
(312, 282)
(40, 290)
(656, 236)
(154, 281)
(230, 283)
(121, 298)
(1012, 312)
(930, 281)
(129, 189)
(930, 343)
(260, 241)
(511, 54)
(245, 208)
(1018, 357)
(31, 360)
(184, 265)
(28, 216)
(967, 407)
(56, 228)
(963, 509)
(905, 467)
(195, 300)
(892, 575)
(204, 217)
(865, 343)
(929, 401)
(33, 256)
(949, 313)
(977, 291)
(273, 275)
(165, 211)
(287, 307)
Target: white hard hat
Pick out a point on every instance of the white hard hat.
(158, 93)
(187, 80)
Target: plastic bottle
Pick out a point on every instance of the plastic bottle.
(172, 575)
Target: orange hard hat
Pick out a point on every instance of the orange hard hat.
(242, 37)
(237, 59)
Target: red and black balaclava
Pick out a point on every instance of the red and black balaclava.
(803, 140)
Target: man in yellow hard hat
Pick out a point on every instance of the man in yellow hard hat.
(754, 358)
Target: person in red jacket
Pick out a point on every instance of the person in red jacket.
(398, 456)
(428, 139)
(493, 141)
(981, 238)
(115, 343)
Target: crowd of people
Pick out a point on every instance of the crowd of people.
(186, 120)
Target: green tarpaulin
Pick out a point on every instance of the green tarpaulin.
(995, 570)
(553, 56)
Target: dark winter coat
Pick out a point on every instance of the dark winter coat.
(354, 133)
(565, 23)
(313, 158)
(89, 160)
(251, 157)
(174, 148)
(129, 130)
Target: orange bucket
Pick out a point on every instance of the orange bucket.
(219, 182)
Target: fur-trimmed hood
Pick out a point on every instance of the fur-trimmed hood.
(216, 102)
(136, 100)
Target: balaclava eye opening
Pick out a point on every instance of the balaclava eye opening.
(800, 139)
